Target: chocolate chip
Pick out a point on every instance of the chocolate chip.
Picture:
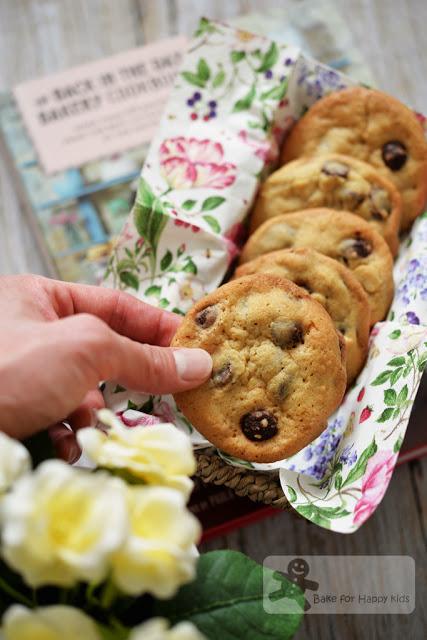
(221, 377)
(380, 203)
(394, 154)
(258, 425)
(342, 329)
(207, 317)
(286, 334)
(356, 247)
(333, 168)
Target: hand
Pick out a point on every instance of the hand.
(59, 340)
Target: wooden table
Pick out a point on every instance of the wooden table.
(41, 36)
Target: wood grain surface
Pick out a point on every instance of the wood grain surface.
(42, 36)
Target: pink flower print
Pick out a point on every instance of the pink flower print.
(377, 476)
(132, 418)
(64, 217)
(187, 163)
(266, 150)
(181, 223)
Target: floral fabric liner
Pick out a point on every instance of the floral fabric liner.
(231, 105)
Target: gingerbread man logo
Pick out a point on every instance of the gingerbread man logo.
(297, 573)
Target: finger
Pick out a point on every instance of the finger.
(65, 443)
(83, 416)
(121, 311)
(98, 353)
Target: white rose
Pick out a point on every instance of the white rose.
(48, 623)
(61, 524)
(14, 461)
(157, 454)
(159, 554)
(158, 629)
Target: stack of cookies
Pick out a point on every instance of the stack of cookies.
(290, 332)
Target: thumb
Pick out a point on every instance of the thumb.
(161, 370)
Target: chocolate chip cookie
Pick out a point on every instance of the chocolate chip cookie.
(371, 126)
(278, 368)
(339, 235)
(330, 283)
(337, 182)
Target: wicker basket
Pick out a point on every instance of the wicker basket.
(259, 487)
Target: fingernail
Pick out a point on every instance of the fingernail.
(192, 364)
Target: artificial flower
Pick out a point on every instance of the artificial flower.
(14, 461)
(61, 524)
(156, 454)
(158, 629)
(57, 622)
(159, 554)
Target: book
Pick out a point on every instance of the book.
(75, 142)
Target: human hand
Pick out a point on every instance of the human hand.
(59, 340)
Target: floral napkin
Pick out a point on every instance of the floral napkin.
(231, 105)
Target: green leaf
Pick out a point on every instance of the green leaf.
(245, 103)
(213, 223)
(163, 303)
(148, 405)
(386, 415)
(129, 279)
(125, 265)
(390, 397)
(226, 600)
(203, 71)
(396, 412)
(292, 493)
(194, 79)
(338, 481)
(118, 388)
(212, 203)
(204, 27)
(131, 405)
(269, 59)
(188, 204)
(276, 93)
(144, 195)
(396, 362)
(332, 512)
(306, 510)
(396, 375)
(422, 361)
(381, 378)
(403, 395)
(190, 267)
(395, 334)
(218, 79)
(166, 261)
(360, 467)
(178, 311)
(236, 56)
(154, 290)
(317, 518)
(398, 444)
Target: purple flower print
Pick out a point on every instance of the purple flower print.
(412, 318)
(348, 457)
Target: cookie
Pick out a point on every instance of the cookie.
(331, 284)
(339, 235)
(278, 368)
(371, 126)
(337, 182)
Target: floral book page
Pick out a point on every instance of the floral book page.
(232, 102)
